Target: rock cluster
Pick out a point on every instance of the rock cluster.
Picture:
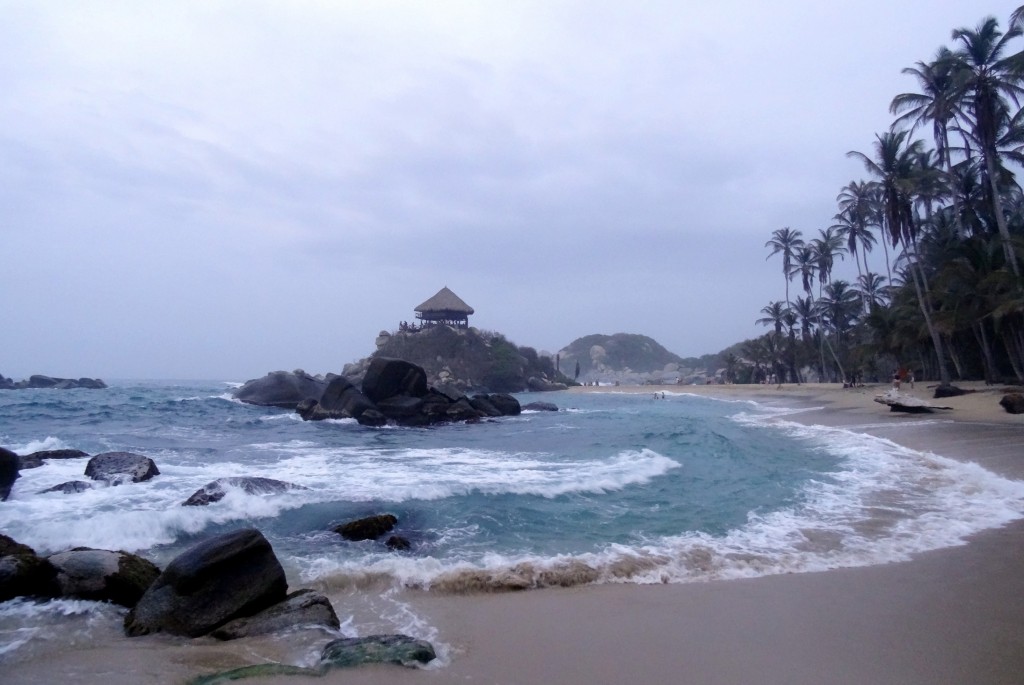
(39, 381)
(393, 391)
(1012, 402)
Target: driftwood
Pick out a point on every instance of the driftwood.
(907, 403)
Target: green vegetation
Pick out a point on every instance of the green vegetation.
(949, 214)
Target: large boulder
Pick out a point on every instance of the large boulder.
(103, 575)
(369, 528)
(342, 397)
(23, 573)
(505, 403)
(1013, 403)
(943, 391)
(540, 406)
(214, 491)
(10, 464)
(116, 468)
(281, 389)
(388, 377)
(37, 459)
(301, 608)
(377, 649)
(540, 384)
(220, 579)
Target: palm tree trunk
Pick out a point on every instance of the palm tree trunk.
(986, 352)
(997, 208)
(924, 302)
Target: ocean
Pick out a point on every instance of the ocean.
(612, 488)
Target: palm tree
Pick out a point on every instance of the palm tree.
(872, 289)
(986, 79)
(774, 315)
(937, 103)
(807, 266)
(788, 242)
(894, 165)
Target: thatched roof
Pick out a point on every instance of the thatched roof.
(445, 301)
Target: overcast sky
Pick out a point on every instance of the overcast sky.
(221, 189)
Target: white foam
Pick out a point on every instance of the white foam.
(49, 443)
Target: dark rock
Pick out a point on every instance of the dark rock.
(388, 377)
(214, 491)
(6, 383)
(942, 391)
(377, 649)
(435, 407)
(10, 464)
(369, 528)
(26, 575)
(9, 546)
(401, 408)
(343, 397)
(300, 608)
(91, 383)
(462, 411)
(27, 461)
(540, 406)
(59, 454)
(222, 578)
(103, 575)
(1013, 403)
(505, 403)
(281, 389)
(372, 417)
(398, 543)
(484, 406)
(69, 488)
(116, 468)
(39, 381)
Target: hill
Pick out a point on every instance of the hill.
(631, 358)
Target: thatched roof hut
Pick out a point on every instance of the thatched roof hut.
(445, 307)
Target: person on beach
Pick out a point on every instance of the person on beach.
(896, 379)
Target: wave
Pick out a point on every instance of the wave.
(885, 503)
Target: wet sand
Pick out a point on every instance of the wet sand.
(951, 616)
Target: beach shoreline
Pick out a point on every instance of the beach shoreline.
(954, 615)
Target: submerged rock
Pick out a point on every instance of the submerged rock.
(377, 649)
(103, 575)
(369, 528)
(69, 488)
(301, 608)
(540, 406)
(214, 491)
(220, 579)
(116, 468)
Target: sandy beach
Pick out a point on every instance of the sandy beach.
(951, 616)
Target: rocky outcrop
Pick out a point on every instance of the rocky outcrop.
(282, 389)
(369, 528)
(116, 468)
(395, 391)
(103, 575)
(37, 459)
(214, 491)
(44, 382)
(223, 578)
(23, 573)
(377, 649)
(540, 406)
(301, 608)
(10, 464)
(1013, 403)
